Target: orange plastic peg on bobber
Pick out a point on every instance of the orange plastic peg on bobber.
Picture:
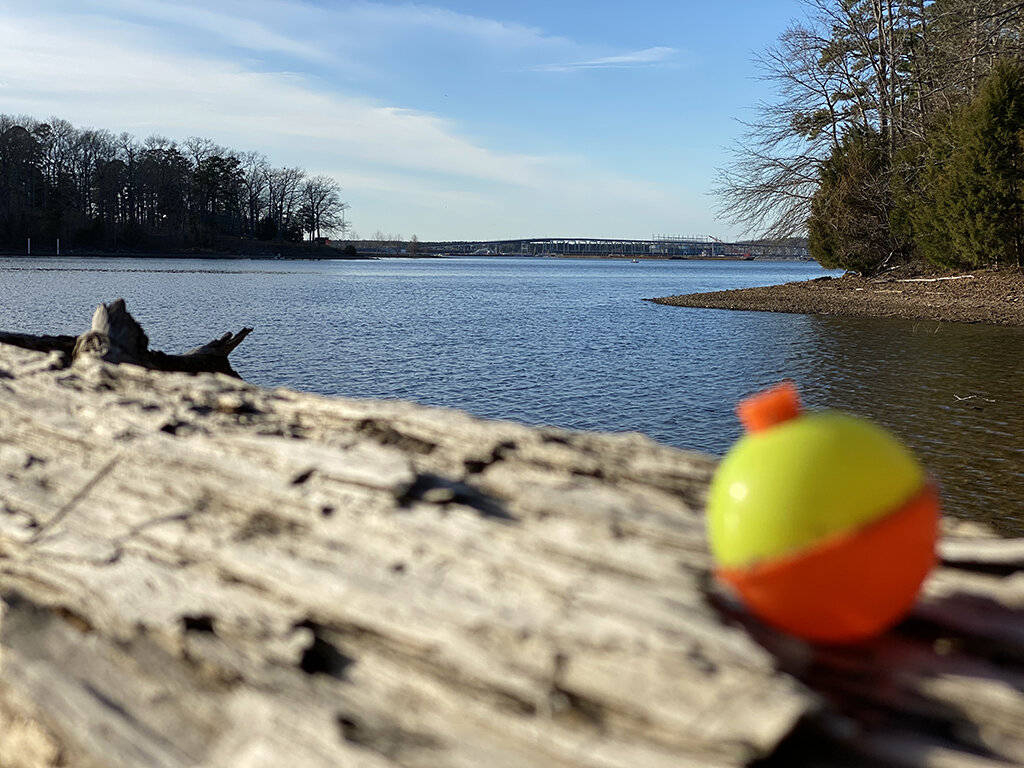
(770, 407)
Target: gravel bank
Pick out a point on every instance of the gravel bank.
(982, 296)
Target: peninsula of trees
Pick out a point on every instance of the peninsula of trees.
(898, 135)
(93, 189)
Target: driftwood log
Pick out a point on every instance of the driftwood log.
(198, 572)
(116, 337)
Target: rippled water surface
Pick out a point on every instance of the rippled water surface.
(570, 343)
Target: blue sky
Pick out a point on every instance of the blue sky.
(451, 119)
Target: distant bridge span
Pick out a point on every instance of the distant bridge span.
(658, 247)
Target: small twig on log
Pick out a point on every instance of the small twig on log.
(84, 491)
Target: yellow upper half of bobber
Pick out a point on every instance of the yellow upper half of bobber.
(787, 488)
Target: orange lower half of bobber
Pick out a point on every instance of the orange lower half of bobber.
(850, 587)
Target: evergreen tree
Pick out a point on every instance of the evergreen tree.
(849, 226)
(970, 206)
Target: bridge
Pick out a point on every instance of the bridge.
(659, 246)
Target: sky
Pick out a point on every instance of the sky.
(446, 120)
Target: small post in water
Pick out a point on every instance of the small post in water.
(58, 246)
(30, 246)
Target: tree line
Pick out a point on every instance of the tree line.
(897, 135)
(93, 188)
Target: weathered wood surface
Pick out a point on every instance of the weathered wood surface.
(197, 571)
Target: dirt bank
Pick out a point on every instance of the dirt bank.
(981, 296)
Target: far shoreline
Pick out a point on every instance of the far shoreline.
(328, 253)
(990, 296)
(212, 255)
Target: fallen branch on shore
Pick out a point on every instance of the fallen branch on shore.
(195, 571)
(931, 279)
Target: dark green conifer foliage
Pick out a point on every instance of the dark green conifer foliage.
(970, 208)
(849, 223)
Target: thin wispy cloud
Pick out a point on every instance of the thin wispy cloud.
(106, 82)
(430, 18)
(247, 31)
(345, 37)
(647, 57)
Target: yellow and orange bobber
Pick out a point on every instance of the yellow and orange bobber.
(823, 522)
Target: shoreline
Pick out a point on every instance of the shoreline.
(219, 256)
(994, 297)
(291, 252)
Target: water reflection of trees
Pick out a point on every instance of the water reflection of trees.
(953, 392)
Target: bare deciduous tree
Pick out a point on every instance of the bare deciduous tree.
(94, 188)
(322, 207)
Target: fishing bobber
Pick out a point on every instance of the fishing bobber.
(823, 522)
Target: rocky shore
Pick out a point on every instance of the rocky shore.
(980, 296)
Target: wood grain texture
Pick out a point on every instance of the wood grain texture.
(197, 571)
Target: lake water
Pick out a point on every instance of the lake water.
(570, 343)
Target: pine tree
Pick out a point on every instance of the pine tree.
(971, 212)
(849, 226)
